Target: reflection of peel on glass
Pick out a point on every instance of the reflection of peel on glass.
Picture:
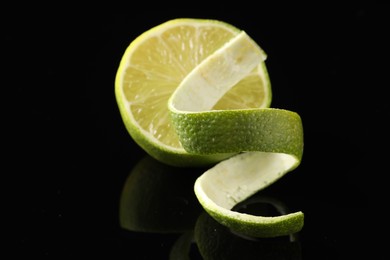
(216, 241)
(182, 247)
(158, 198)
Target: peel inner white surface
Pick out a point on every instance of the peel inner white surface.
(239, 177)
(201, 89)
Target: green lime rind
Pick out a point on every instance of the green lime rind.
(232, 131)
(258, 226)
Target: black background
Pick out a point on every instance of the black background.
(69, 154)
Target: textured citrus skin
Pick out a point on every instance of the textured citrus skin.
(257, 226)
(233, 131)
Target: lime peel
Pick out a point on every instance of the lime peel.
(232, 181)
(271, 138)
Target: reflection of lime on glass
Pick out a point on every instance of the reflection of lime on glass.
(181, 249)
(195, 92)
(158, 198)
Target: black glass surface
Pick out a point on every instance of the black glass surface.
(81, 187)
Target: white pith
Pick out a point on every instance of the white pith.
(217, 74)
(235, 179)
